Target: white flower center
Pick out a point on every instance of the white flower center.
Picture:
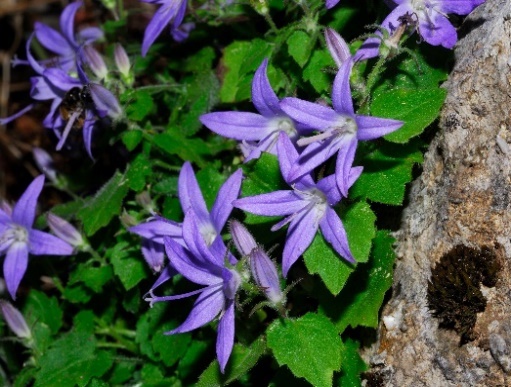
(208, 233)
(317, 200)
(283, 124)
(15, 233)
(346, 126)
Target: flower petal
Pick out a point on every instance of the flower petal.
(370, 128)
(343, 165)
(311, 114)
(300, 234)
(157, 228)
(341, 91)
(275, 203)
(52, 40)
(237, 125)
(263, 97)
(23, 212)
(288, 157)
(205, 309)
(225, 336)
(195, 270)
(154, 254)
(105, 101)
(438, 31)
(42, 243)
(160, 20)
(15, 266)
(67, 22)
(222, 207)
(89, 34)
(333, 232)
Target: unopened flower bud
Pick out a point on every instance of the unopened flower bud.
(15, 320)
(106, 103)
(127, 220)
(93, 58)
(122, 60)
(337, 46)
(145, 201)
(243, 240)
(265, 275)
(45, 163)
(154, 254)
(65, 231)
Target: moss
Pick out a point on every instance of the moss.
(454, 290)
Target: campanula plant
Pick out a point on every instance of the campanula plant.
(235, 225)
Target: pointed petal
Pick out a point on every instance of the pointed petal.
(331, 3)
(167, 273)
(459, 7)
(337, 46)
(438, 31)
(88, 127)
(190, 194)
(316, 154)
(225, 336)
(197, 239)
(105, 101)
(52, 39)
(276, 203)
(89, 34)
(237, 125)
(328, 185)
(15, 265)
(263, 97)
(23, 212)
(205, 309)
(42, 243)
(300, 234)
(157, 228)
(333, 231)
(341, 91)
(370, 128)
(67, 22)
(222, 207)
(193, 269)
(6, 120)
(345, 159)
(311, 114)
(160, 20)
(288, 158)
(59, 79)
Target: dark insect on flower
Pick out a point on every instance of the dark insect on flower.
(75, 102)
(408, 19)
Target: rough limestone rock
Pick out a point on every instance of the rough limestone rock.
(448, 322)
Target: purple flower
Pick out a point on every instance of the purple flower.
(170, 11)
(211, 222)
(18, 238)
(45, 164)
(340, 130)
(208, 266)
(66, 44)
(308, 206)
(65, 231)
(258, 132)
(430, 18)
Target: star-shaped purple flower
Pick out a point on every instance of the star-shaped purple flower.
(18, 238)
(66, 44)
(430, 18)
(209, 266)
(308, 206)
(170, 12)
(258, 132)
(340, 130)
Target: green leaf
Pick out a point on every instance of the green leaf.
(240, 60)
(201, 61)
(24, 378)
(92, 277)
(360, 301)
(386, 173)
(77, 294)
(41, 309)
(138, 171)
(416, 108)
(72, 360)
(196, 352)
(240, 363)
(358, 220)
(210, 181)
(299, 46)
(129, 268)
(310, 346)
(352, 365)
(314, 71)
(100, 209)
(122, 372)
(132, 138)
(141, 105)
